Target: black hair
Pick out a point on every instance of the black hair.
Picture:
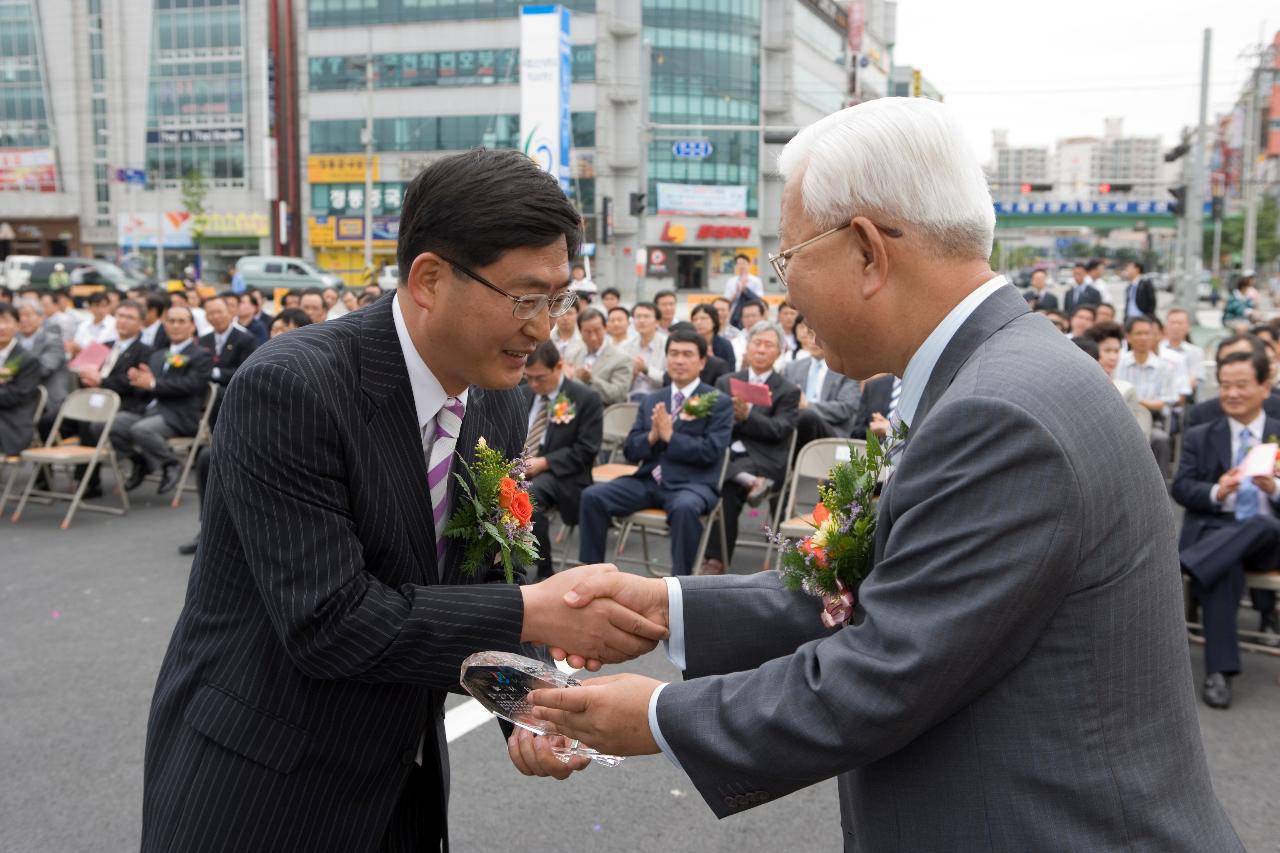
(1259, 346)
(662, 294)
(741, 257)
(1088, 344)
(1099, 332)
(1142, 268)
(758, 303)
(723, 299)
(295, 316)
(1107, 305)
(156, 302)
(367, 298)
(649, 305)
(1088, 309)
(135, 306)
(588, 314)
(711, 312)
(311, 291)
(1261, 364)
(621, 308)
(684, 333)
(7, 310)
(1093, 264)
(1260, 329)
(611, 291)
(97, 298)
(1132, 321)
(455, 206)
(1081, 264)
(547, 354)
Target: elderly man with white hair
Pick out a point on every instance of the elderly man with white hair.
(1014, 674)
(43, 342)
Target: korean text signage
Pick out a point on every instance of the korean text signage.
(208, 134)
(1051, 207)
(546, 66)
(29, 170)
(338, 168)
(692, 149)
(674, 232)
(701, 200)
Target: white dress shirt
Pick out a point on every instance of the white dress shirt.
(538, 402)
(219, 341)
(91, 332)
(914, 380)
(731, 286)
(655, 358)
(1255, 427)
(149, 333)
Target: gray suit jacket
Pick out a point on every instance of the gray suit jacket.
(611, 374)
(838, 405)
(1016, 675)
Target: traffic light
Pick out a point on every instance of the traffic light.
(1105, 188)
(1177, 152)
(1216, 207)
(637, 204)
(1179, 205)
(1036, 188)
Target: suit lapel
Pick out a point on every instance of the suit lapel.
(396, 432)
(1221, 442)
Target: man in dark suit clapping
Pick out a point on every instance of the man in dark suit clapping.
(566, 422)
(761, 437)
(177, 379)
(679, 453)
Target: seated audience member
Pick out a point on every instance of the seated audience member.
(792, 348)
(41, 342)
(679, 453)
(227, 346)
(1107, 339)
(57, 312)
(619, 325)
(19, 387)
(828, 400)
(752, 313)
(714, 368)
(665, 302)
(191, 299)
(564, 334)
(1038, 296)
(1106, 313)
(177, 378)
(333, 303)
(1177, 361)
(566, 424)
(728, 331)
(311, 301)
(350, 301)
(293, 299)
(1155, 379)
(247, 312)
(604, 367)
(127, 353)
(288, 320)
(1058, 319)
(366, 298)
(99, 329)
(153, 333)
(1087, 345)
(879, 402)
(706, 320)
(1231, 522)
(647, 350)
(761, 437)
(610, 298)
(1177, 341)
(1082, 319)
(1208, 410)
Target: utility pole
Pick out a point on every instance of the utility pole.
(642, 221)
(1193, 245)
(1248, 175)
(368, 155)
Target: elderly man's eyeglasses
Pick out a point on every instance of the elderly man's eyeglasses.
(779, 261)
(525, 307)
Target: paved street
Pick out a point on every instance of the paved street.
(84, 619)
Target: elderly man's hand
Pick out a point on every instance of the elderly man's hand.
(603, 630)
(609, 714)
(646, 596)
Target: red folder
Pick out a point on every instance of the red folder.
(750, 392)
(93, 356)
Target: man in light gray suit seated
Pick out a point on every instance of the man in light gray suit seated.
(828, 400)
(604, 367)
(1014, 675)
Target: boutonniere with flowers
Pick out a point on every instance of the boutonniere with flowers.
(562, 410)
(9, 370)
(175, 361)
(699, 406)
(833, 560)
(496, 512)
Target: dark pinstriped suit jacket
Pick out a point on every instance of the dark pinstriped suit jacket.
(319, 636)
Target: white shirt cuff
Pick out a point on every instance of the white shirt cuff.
(217, 373)
(675, 624)
(656, 731)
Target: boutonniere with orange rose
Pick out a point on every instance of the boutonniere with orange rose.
(494, 510)
(833, 560)
(699, 406)
(9, 370)
(175, 361)
(562, 410)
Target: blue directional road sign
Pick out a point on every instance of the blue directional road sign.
(692, 149)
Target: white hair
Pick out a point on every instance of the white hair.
(33, 304)
(897, 161)
(764, 327)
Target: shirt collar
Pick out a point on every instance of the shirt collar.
(688, 390)
(8, 351)
(126, 343)
(1256, 426)
(177, 348)
(428, 394)
(758, 378)
(555, 392)
(916, 377)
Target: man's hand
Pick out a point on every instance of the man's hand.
(532, 755)
(90, 377)
(646, 596)
(535, 466)
(639, 365)
(1266, 485)
(804, 401)
(741, 408)
(609, 714)
(879, 425)
(604, 630)
(142, 377)
(663, 427)
(584, 375)
(1228, 483)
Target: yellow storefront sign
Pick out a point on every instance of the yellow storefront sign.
(338, 168)
(238, 224)
(325, 232)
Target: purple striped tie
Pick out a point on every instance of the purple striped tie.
(440, 457)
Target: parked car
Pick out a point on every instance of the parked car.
(87, 275)
(272, 271)
(389, 278)
(15, 271)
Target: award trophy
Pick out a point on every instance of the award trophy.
(501, 683)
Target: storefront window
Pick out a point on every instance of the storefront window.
(342, 13)
(441, 68)
(435, 133)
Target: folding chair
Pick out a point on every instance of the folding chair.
(15, 462)
(654, 520)
(87, 405)
(813, 462)
(618, 419)
(191, 444)
(599, 474)
(1250, 641)
(776, 497)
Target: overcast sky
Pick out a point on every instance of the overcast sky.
(1046, 71)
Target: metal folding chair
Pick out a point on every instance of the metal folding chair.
(15, 462)
(618, 420)
(190, 445)
(87, 405)
(813, 462)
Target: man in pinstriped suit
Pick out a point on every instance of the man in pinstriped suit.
(300, 705)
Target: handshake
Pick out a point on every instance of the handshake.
(590, 616)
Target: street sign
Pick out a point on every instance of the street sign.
(692, 149)
(131, 176)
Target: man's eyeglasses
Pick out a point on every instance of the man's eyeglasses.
(779, 261)
(525, 307)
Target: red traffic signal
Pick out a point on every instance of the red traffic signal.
(1104, 188)
(1026, 188)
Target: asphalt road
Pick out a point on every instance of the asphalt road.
(86, 614)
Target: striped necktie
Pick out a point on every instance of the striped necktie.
(1247, 494)
(440, 457)
(539, 428)
(895, 397)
